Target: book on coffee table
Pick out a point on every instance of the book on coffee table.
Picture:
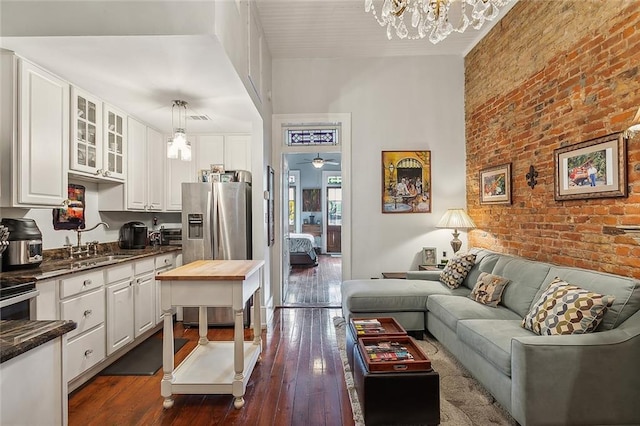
(388, 326)
(392, 354)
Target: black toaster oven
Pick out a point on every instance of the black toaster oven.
(171, 236)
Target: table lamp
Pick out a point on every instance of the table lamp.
(456, 219)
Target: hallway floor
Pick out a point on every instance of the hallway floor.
(316, 286)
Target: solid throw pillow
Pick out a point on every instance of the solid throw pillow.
(564, 308)
(457, 269)
(488, 290)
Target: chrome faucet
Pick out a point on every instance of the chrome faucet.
(80, 231)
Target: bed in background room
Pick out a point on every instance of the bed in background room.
(301, 252)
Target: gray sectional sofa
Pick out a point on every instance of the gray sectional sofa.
(580, 379)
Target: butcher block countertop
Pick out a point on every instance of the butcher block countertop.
(213, 270)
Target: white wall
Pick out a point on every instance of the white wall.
(403, 103)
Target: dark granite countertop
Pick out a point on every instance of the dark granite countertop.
(20, 336)
(57, 262)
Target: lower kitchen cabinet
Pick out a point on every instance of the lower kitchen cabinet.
(32, 387)
(119, 315)
(85, 351)
(82, 300)
(119, 292)
(114, 307)
(144, 299)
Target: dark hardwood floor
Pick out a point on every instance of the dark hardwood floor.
(298, 382)
(317, 286)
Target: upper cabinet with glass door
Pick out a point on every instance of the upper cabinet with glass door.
(97, 144)
(86, 135)
(115, 143)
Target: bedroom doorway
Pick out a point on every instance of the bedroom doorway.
(314, 201)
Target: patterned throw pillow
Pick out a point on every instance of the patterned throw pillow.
(457, 269)
(566, 309)
(488, 290)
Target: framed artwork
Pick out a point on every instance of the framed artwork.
(226, 177)
(270, 208)
(406, 182)
(495, 185)
(204, 175)
(311, 200)
(71, 214)
(217, 168)
(429, 256)
(596, 168)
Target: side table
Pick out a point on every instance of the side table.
(428, 268)
(396, 275)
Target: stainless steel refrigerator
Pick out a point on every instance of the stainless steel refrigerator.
(216, 224)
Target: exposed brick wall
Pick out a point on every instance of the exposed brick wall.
(552, 74)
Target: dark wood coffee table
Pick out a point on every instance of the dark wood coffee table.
(397, 397)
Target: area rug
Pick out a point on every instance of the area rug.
(463, 401)
(143, 360)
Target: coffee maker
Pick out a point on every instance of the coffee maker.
(133, 235)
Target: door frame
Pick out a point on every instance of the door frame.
(279, 123)
(325, 223)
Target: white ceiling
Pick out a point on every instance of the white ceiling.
(143, 74)
(341, 28)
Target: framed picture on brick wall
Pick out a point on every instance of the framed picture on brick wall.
(495, 185)
(596, 168)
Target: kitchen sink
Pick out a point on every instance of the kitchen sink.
(98, 261)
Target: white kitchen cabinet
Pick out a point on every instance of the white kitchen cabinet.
(156, 154)
(82, 300)
(119, 294)
(47, 300)
(232, 151)
(115, 143)
(136, 184)
(145, 167)
(144, 295)
(164, 263)
(177, 173)
(86, 133)
(237, 152)
(34, 135)
(33, 389)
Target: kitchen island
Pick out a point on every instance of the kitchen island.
(212, 367)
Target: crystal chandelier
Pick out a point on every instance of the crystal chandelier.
(431, 18)
(178, 145)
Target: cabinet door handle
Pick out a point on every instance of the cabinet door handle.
(88, 352)
(86, 283)
(88, 312)
(166, 262)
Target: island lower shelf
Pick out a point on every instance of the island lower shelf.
(208, 369)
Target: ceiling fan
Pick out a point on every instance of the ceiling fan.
(318, 162)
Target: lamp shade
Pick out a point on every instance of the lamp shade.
(456, 219)
(635, 123)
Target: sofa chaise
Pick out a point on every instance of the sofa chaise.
(578, 379)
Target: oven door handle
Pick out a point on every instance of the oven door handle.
(19, 298)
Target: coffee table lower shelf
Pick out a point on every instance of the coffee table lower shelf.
(408, 397)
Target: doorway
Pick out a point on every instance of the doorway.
(314, 201)
(287, 216)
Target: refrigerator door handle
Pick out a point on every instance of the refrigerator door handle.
(215, 222)
(212, 219)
